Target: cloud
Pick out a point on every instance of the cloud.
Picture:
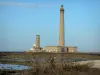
(32, 5)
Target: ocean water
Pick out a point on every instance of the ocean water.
(14, 67)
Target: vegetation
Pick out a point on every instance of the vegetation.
(29, 56)
(51, 66)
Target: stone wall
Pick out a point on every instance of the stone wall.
(60, 49)
(72, 49)
(51, 49)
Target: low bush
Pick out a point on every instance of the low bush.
(69, 68)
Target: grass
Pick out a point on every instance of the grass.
(51, 67)
(68, 68)
(45, 56)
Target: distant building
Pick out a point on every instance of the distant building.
(61, 47)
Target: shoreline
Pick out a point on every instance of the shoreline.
(96, 63)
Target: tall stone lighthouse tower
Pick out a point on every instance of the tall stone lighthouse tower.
(37, 41)
(61, 35)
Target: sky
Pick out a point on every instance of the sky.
(22, 20)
